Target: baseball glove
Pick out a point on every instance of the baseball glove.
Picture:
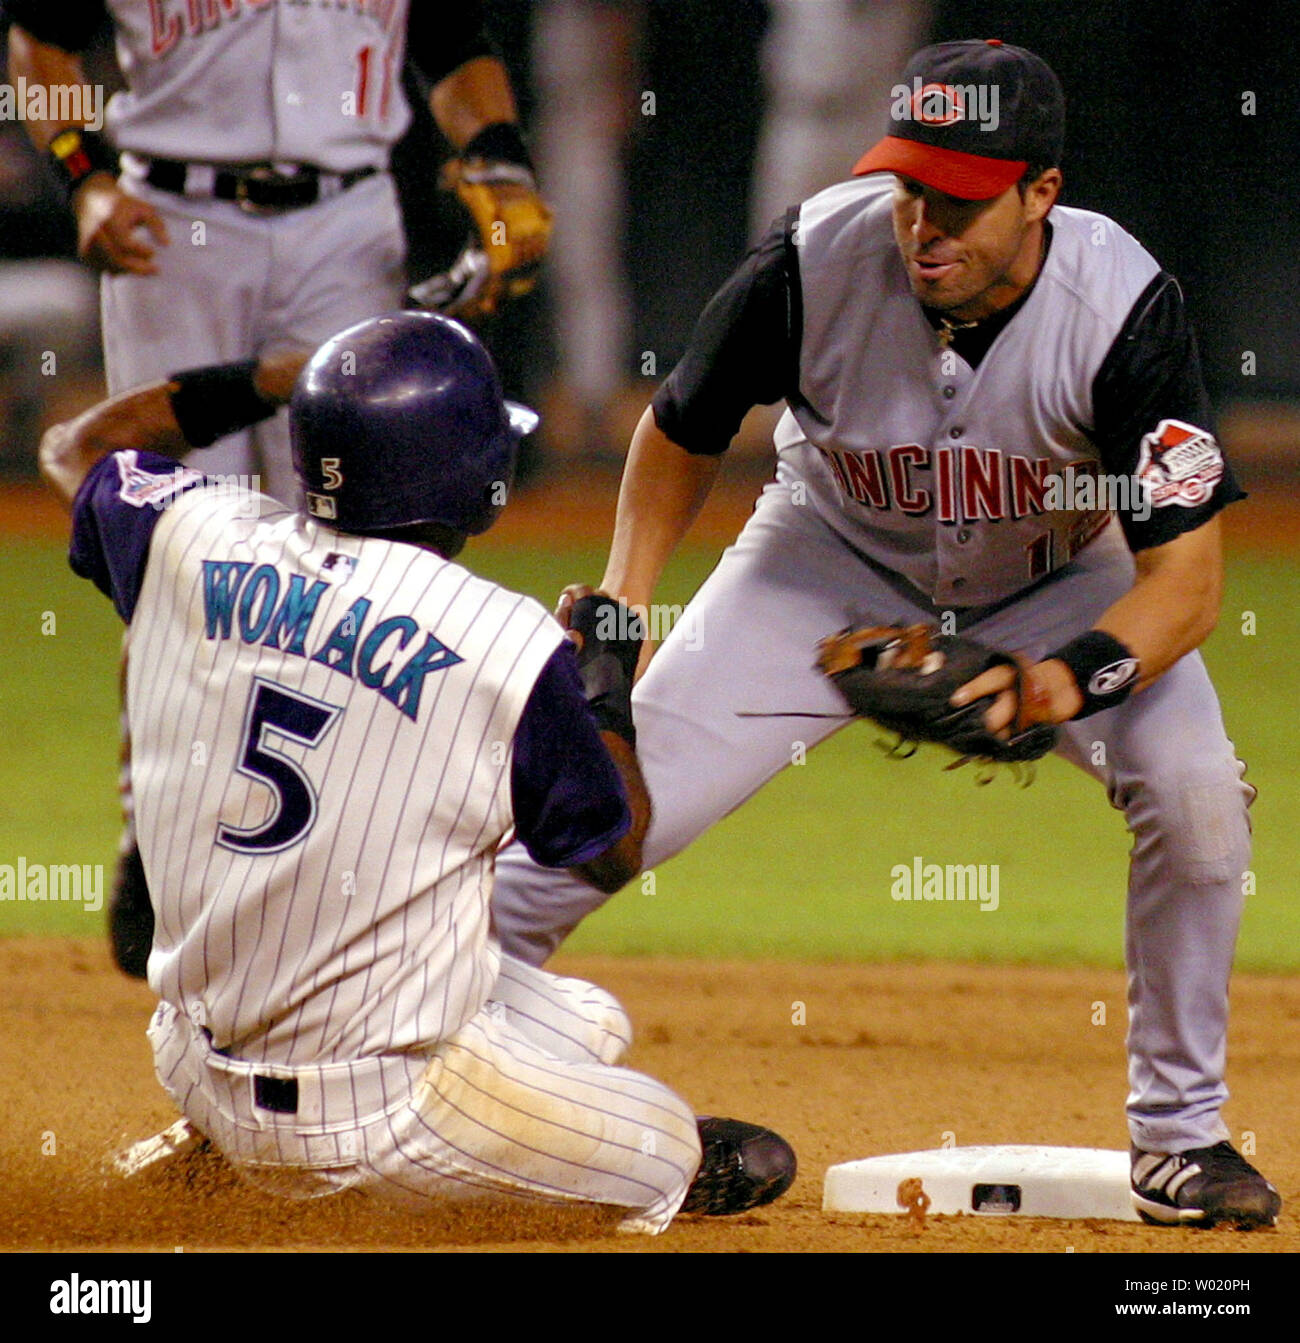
(512, 226)
(902, 677)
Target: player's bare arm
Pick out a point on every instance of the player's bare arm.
(143, 418)
(1170, 610)
(614, 868)
(606, 659)
(108, 220)
(664, 487)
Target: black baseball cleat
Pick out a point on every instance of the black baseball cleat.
(130, 916)
(1207, 1186)
(743, 1167)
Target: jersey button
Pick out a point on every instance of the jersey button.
(963, 535)
(959, 582)
(949, 393)
(956, 431)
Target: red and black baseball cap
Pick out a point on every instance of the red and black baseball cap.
(970, 117)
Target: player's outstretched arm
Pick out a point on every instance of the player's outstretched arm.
(608, 638)
(148, 419)
(1169, 611)
(664, 487)
(614, 868)
(1173, 606)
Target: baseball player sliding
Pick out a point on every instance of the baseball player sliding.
(954, 349)
(335, 727)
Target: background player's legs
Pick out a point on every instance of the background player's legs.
(567, 1017)
(744, 645)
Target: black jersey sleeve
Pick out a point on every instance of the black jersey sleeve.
(744, 351)
(69, 24)
(441, 38)
(1152, 421)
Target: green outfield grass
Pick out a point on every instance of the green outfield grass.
(802, 871)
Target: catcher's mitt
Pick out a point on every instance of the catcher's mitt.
(512, 226)
(902, 677)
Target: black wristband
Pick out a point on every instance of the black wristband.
(501, 141)
(1103, 668)
(217, 400)
(611, 644)
(77, 153)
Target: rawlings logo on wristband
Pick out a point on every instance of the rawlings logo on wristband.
(1105, 671)
(1108, 680)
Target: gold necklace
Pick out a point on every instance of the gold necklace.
(948, 329)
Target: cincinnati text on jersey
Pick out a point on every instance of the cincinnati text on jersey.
(970, 484)
(260, 607)
(170, 20)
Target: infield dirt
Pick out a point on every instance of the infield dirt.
(888, 1058)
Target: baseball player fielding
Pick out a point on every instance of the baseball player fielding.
(956, 351)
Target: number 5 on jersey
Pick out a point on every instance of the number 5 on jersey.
(288, 713)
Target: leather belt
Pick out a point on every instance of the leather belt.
(259, 188)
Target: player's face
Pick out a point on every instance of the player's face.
(970, 258)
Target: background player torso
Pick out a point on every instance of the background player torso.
(361, 928)
(930, 467)
(249, 81)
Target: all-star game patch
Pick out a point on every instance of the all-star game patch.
(1179, 464)
(142, 488)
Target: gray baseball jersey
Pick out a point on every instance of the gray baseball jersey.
(253, 81)
(935, 469)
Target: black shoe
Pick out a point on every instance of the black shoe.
(743, 1167)
(130, 916)
(1203, 1187)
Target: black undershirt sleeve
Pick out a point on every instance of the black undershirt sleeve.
(67, 24)
(441, 38)
(744, 351)
(1152, 418)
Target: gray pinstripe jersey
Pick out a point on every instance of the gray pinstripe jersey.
(250, 81)
(934, 469)
(322, 744)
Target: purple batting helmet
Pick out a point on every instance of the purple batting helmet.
(400, 420)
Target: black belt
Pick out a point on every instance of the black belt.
(255, 186)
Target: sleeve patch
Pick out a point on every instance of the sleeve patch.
(141, 488)
(1179, 464)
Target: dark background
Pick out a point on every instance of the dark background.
(1156, 138)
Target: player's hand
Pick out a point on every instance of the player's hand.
(108, 228)
(1040, 692)
(564, 609)
(576, 590)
